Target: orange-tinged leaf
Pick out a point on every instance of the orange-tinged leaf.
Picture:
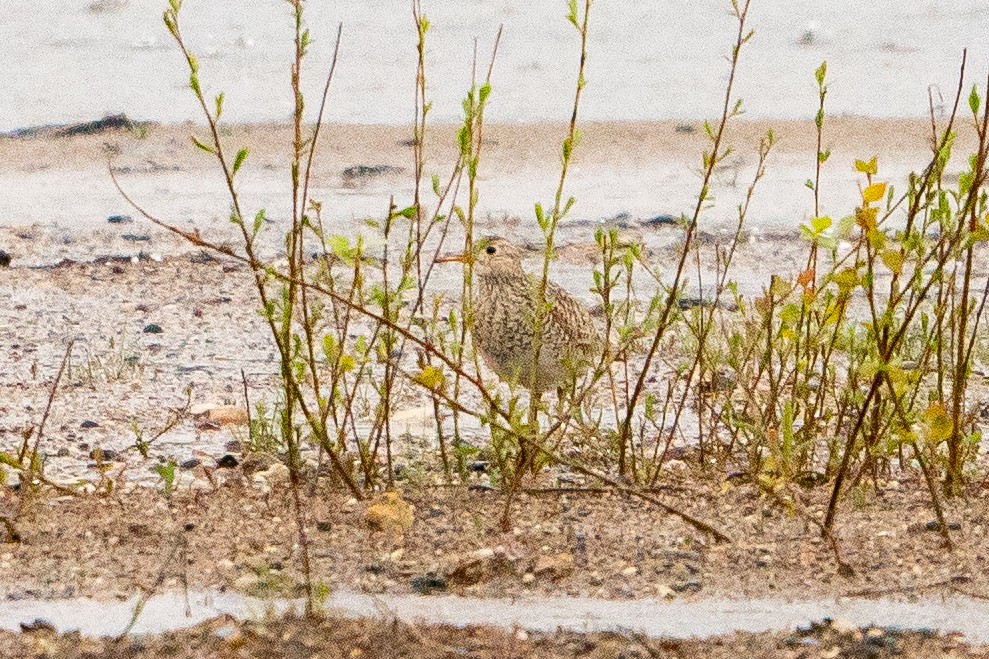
(874, 193)
(806, 277)
(866, 218)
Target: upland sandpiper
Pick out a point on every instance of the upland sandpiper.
(504, 319)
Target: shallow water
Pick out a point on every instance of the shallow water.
(657, 619)
(65, 62)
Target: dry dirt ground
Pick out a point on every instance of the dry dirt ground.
(332, 638)
(589, 544)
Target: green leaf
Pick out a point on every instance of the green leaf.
(258, 221)
(219, 105)
(572, 13)
(436, 185)
(821, 224)
(200, 145)
(340, 247)
(821, 73)
(239, 160)
(8, 459)
(540, 219)
(974, 102)
(484, 93)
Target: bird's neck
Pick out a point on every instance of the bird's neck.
(501, 278)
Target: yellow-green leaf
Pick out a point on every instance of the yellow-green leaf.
(432, 378)
(847, 279)
(893, 260)
(938, 423)
(870, 167)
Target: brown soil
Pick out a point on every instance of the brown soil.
(580, 544)
(295, 637)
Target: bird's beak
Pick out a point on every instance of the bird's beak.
(453, 258)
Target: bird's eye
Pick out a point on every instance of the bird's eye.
(491, 249)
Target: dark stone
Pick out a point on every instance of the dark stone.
(661, 220)
(689, 586)
(62, 452)
(367, 171)
(4, 259)
(202, 258)
(480, 488)
(934, 526)
(89, 424)
(151, 328)
(37, 625)
(104, 454)
(136, 238)
(428, 584)
(107, 123)
(324, 527)
(191, 463)
(686, 303)
(189, 526)
(809, 479)
(227, 462)
(120, 219)
(182, 370)
(479, 466)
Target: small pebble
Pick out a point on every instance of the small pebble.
(227, 462)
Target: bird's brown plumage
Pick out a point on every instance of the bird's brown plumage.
(504, 318)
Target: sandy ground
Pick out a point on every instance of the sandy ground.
(220, 529)
(561, 543)
(61, 194)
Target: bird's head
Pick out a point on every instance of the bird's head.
(492, 255)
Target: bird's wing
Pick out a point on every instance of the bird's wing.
(571, 315)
